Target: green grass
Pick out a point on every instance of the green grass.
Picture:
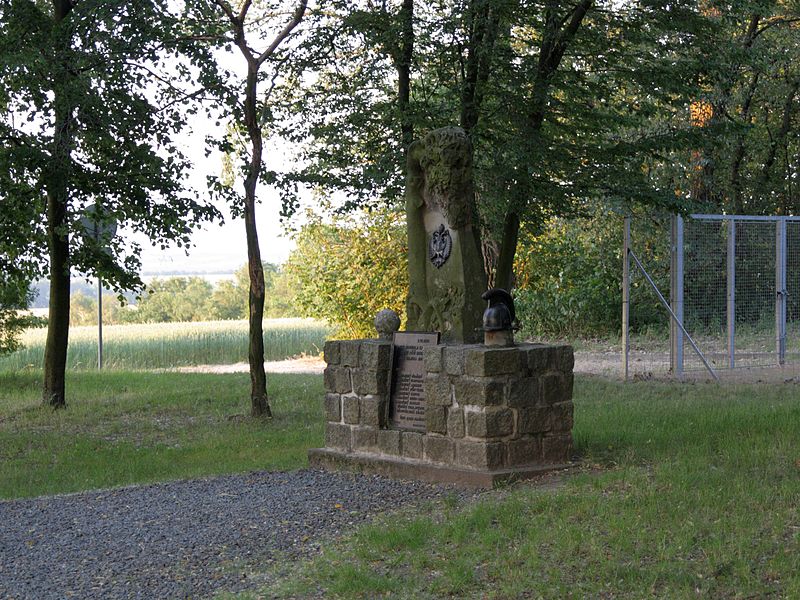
(124, 428)
(166, 345)
(687, 491)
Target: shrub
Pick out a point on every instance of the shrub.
(569, 278)
(348, 269)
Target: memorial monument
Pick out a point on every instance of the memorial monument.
(452, 398)
(445, 266)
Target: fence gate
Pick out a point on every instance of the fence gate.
(734, 294)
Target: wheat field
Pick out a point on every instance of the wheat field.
(167, 345)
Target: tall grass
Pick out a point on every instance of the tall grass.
(166, 345)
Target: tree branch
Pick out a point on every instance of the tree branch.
(226, 8)
(296, 18)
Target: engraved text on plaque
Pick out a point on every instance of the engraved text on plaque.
(408, 379)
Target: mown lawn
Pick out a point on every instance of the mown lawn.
(687, 491)
(122, 428)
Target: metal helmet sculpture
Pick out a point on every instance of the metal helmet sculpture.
(499, 318)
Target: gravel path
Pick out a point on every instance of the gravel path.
(185, 538)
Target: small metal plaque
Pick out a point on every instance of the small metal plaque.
(440, 246)
(407, 406)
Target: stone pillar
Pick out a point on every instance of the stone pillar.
(357, 381)
(446, 275)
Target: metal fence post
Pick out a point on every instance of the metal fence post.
(626, 296)
(780, 290)
(731, 280)
(676, 296)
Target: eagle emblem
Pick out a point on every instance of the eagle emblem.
(439, 247)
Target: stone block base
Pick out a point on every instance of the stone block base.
(492, 414)
(406, 468)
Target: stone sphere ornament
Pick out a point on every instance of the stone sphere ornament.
(387, 322)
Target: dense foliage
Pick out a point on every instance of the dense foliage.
(14, 299)
(565, 103)
(349, 269)
(569, 277)
(749, 153)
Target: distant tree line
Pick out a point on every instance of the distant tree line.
(176, 299)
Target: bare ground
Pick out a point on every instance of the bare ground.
(596, 363)
(603, 362)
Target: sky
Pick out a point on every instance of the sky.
(219, 248)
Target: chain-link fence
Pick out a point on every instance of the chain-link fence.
(731, 295)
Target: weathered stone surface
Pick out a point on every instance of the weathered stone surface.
(569, 383)
(445, 280)
(479, 391)
(367, 381)
(540, 358)
(433, 358)
(482, 361)
(557, 448)
(411, 444)
(565, 359)
(533, 420)
(553, 388)
(561, 417)
(387, 322)
(338, 436)
(348, 352)
(365, 439)
(455, 422)
(523, 392)
(350, 409)
(439, 449)
(332, 354)
(490, 423)
(436, 419)
(375, 355)
(524, 451)
(437, 390)
(480, 455)
(333, 408)
(454, 360)
(373, 411)
(389, 441)
(337, 380)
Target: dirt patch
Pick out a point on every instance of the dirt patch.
(606, 363)
(312, 365)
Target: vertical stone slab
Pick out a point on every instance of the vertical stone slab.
(446, 275)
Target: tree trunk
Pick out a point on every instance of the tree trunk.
(558, 33)
(786, 125)
(505, 263)
(55, 353)
(403, 66)
(259, 402)
(738, 155)
(258, 377)
(57, 185)
(483, 23)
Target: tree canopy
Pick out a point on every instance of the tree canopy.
(565, 103)
(91, 113)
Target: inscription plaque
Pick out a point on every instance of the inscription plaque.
(407, 404)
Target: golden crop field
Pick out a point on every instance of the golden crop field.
(166, 345)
